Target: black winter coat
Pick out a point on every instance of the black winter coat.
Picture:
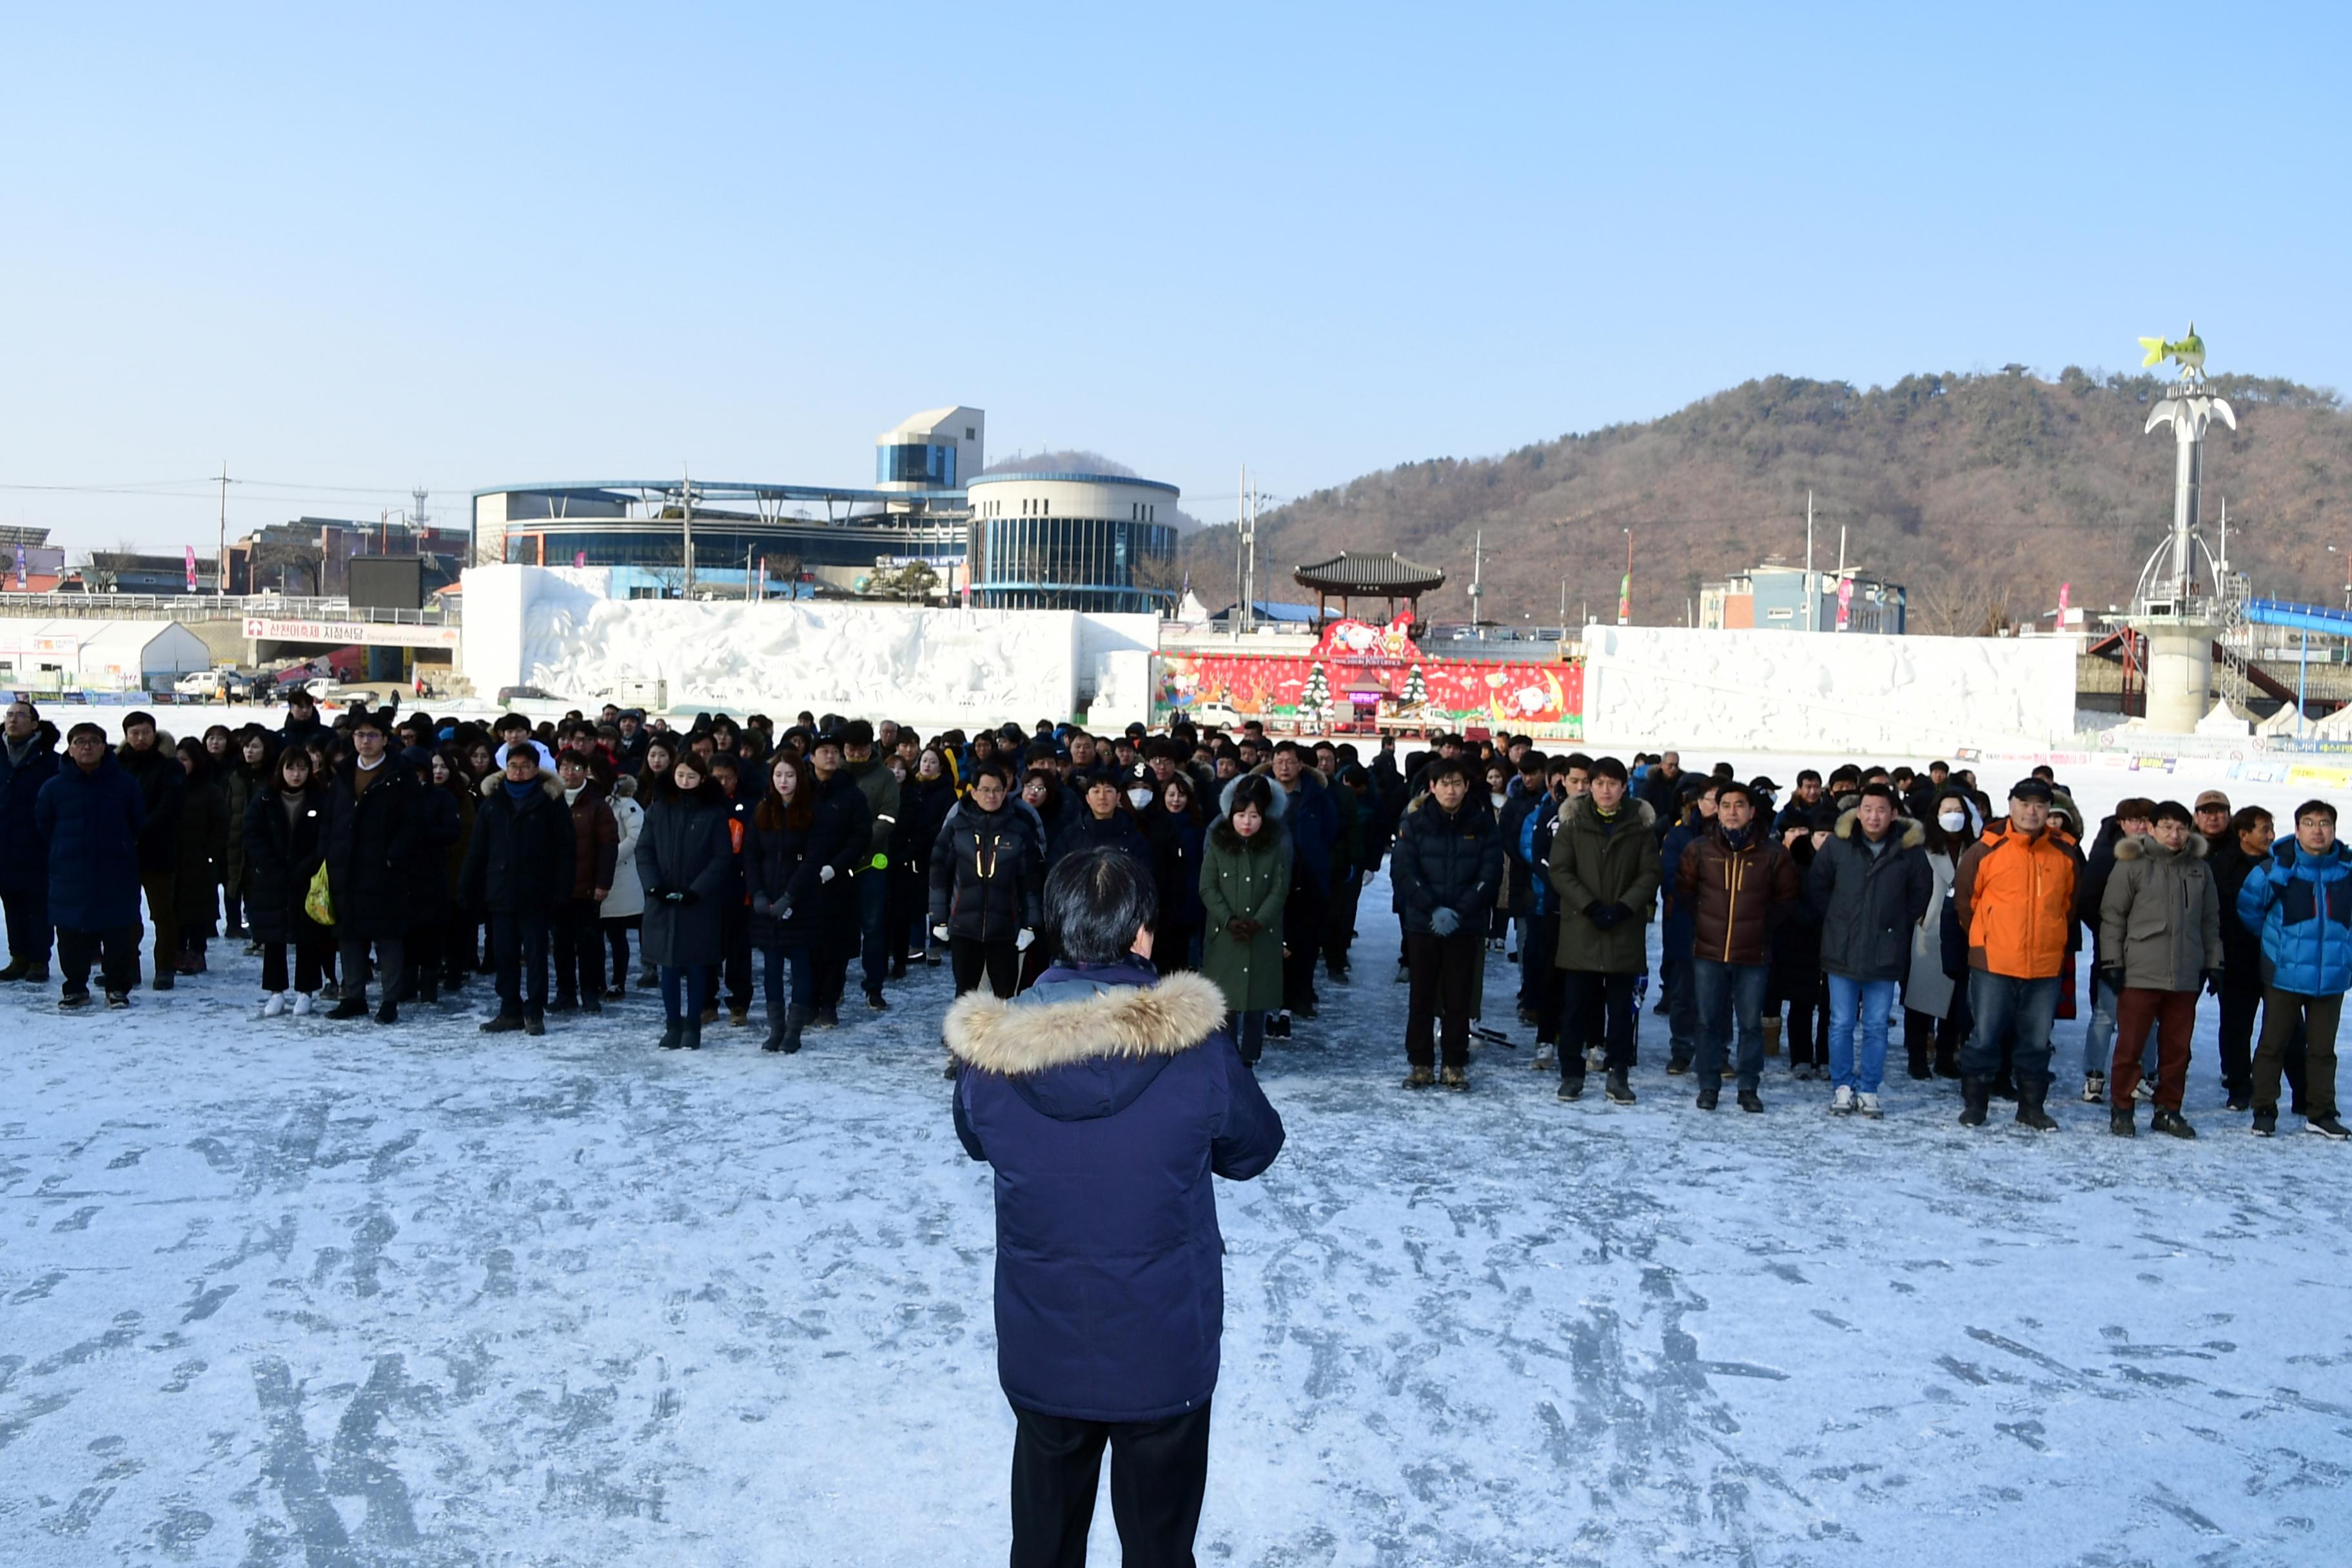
(1869, 903)
(1176, 868)
(24, 853)
(280, 859)
(90, 822)
(370, 845)
(162, 790)
(1447, 862)
(518, 861)
(987, 878)
(685, 848)
(1082, 830)
(780, 872)
(440, 825)
(199, 852)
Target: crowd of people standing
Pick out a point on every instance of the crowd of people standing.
(402, 857)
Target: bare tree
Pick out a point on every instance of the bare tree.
(1957, 604)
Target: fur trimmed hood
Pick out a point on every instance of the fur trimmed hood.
(1908, 832)
(1079, 1021)
(548, 783)
(2143, 846)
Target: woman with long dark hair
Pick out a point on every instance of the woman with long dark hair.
(781, 879)
(256, 754)
(685, 860)
(284, 846)
(1179, 829)
(458, 923)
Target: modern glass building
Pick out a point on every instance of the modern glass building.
(1073, 542)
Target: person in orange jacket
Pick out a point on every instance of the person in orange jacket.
(2013, 893)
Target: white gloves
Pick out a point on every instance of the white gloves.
(1020, 943)
(824, 874)
(940, 932)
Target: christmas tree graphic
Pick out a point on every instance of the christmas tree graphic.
(1416, 689)
(1314, 702)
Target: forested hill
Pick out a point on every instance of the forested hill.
(1982, 493)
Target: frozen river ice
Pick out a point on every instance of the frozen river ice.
(306, 1294)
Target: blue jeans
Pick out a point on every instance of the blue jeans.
(874, 927)
(2003, 1005)
(1723, 994)
(1874, 999)
(803, 975)
(1684, 1026)
(685, 992)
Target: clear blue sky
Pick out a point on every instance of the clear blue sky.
(472, 245)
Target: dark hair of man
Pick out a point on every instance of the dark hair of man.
(1580, 761)
(990, 768)
(510, 722)
(2134, 805)
(84, 728)
(1040, 754)
(1904, 776)
(1095, 901)
(1844, 773)
(574, 754)
(1531, 764)
(1293, 748)
(1874, 771)
(1606, 768)
(2045, 773)
(2173, 811)
(857, 732)
(1735, 788)
(1556, 767)
(2316, 808)
(1805, 774)
(1447, 767)
(1879, 789)
(2249, 818)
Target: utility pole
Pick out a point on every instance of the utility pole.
(1246, 615)
(687, 491)
(1477, 583)
(1564, 609)
(1625, 589)
(1809, 595)
(220, 562)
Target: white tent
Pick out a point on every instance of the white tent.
(97, 655)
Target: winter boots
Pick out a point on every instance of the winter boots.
(1976, 1095)
(673, 1034)
(1571, 1086)
(1418, 1078)
(784, 1033)
(1751, 1101)
(1708, 1095)
(1618, 1091)
(504, 1024)
(1452, 1077)
(2170, 1122)
(2119, 1120)
(2029, 1112)
(35, 969)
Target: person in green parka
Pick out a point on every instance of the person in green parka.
(1244, 882)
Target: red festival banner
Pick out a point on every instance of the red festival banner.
(1361, 677)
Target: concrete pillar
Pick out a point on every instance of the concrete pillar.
(2179, 675)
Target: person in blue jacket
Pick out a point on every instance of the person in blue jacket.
(2300, 900)
(90, 815)
(1106, 1096)
(28, 759)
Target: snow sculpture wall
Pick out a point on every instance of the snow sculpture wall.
(555, 629)
(1861, 696)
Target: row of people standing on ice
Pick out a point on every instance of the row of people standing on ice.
(1876, 888)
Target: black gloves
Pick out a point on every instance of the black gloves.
(1605, 915)
(2111, 975)
(763, 905)
(2213, 982)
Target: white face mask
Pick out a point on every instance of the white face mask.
(1138, 797)
(1952, 821)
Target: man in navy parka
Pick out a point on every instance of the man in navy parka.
(1106, 1096)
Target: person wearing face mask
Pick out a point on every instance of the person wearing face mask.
(2013, 893)
(2134, 819)
(2161, 942)
(1738, 883)
(1935, 1003)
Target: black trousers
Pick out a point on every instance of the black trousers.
(1172, 946)
(579, 936)
(519, 945)
(616, 937)
(1159, 1470)
(1613, 997)
(119, 968)
(313, 949)
(1443, 968)
(1302, 939)
(2241, 1000)
(734, 968)
(969, 958)
(1339, 921)
(28, 924)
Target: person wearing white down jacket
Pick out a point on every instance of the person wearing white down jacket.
(625, 907)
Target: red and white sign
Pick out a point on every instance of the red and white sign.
(377, 634)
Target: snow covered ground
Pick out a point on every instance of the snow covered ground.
(314, 1294)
